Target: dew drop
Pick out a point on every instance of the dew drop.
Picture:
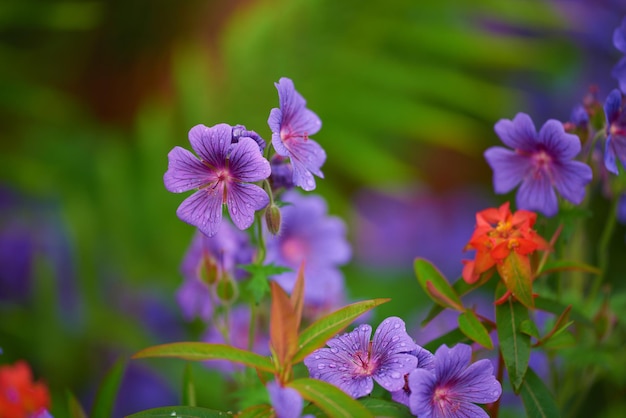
(395, 338)
(402, 344)
(317, 357)
(334, 350)
(332, 365)
(321, 366)
(396, 375)
(396, 326)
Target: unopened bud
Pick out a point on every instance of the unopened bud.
(226, 289)
(207, 269)
(272, 219)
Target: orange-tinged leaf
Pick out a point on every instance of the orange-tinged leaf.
(516, 274)
(439, 289)
(283, 327)
(440, 298)
(297, 296)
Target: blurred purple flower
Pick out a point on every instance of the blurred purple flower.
(619, 41)
(454, 386)
(540, 162)
(141, 389)
(287, 402)
(352, 363)
(393, 228)
(222, 176)
(309, 234)
(237, 327)
(282, 173)
(615, 146)
(292, 124)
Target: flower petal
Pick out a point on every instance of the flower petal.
(422, 384)
(478, 384)
(203, 209)
(287, 402)
(296, 118)
(391, 338)
(570, 179)
(619, 73)
(560, 145)
(609, 156)
(509, 168)
(246, 163)
(612, 106)
(619, 37)
(185, 172)
(520, 133)
(211, 144)
(618, 149)
(537, 194)
(450, 362)
(243, 199)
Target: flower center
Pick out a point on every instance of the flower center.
(365, 367)
(294, 250)
(542, 162)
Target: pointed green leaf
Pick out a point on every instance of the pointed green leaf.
(461, 287)
(557, 308)
(514, 344)
(517, 276)
(474, 329)
(439, 289)
(74, 407)
(198, 351)
(258, 283)
(529, 328)
(568, 265)
(329, 398)
(538, 401)
(107, 393)
(560, 325)
(180, 412)
(257, 411)
(189, 389)
(384, 408)
(316, 334)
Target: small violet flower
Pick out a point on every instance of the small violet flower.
(221, 176)
(292, 124)
(287, 402)
(615, 146)
(540, 161)
(454, 386)
(352, 363)
(619, 41)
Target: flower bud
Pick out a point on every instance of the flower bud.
(272, 219)
(208, 271)
(226, 289)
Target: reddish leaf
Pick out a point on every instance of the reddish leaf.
(283, 327)
(517, 277)
(297, 296)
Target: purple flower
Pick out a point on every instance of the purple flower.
(452, 389)
(309, 234)
(425, 360)
(352, 363)
(240, 131)
(540, 161)
(615, 146)
(222, 175)
(291, 126)
(282, 173)
(619, 40)
(287, 402)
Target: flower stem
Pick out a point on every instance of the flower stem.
(603, 250)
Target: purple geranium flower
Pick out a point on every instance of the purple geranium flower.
(425, 360)
(309, 234)
(619, 40)
(615, 131)
(352, 363)
(452, 389)
(287, 402)
(222, 175)
(291, 126)
(540, 161)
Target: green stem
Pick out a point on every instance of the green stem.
(603, 250)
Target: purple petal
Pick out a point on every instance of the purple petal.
(185, 172)
(619, 37)
(211, 144)
(296, 118)
(609, 156)
(194, 299)
(537, 194)
(450, 362)
(570, 179)
(425, 359)
(246, 163)
(560, 145)
(274, 121)
(203, 209)
(391, 338)
(287, 402)
(422, 385)
(520, 133)
(612, 106)
(243, 199)
(619, 73)
(509, 168)
(617, 145)
(478, 384)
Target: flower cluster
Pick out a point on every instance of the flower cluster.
(20, 396)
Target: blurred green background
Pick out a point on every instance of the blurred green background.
(93, 95)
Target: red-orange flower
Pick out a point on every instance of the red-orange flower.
(504, 240)
(20, 397)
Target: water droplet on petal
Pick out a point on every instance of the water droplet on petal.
(396, 375)
(334, 350)
(317, 357)
(321, 366)
(396, 326)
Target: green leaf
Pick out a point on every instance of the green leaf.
(560, 325)
(329, 398)
(180, 412)
(384, 408)
(257, 411)
(517, 276)
(258, 283)
(474, 329)
(74, 407)
(199, 351)
(105, 400)
(529, 328)
(461, 287)
(537, 399)
(567, 265)
(316, 334)
(514, 344)
(435, 285)
(557, 308)
(189, 389)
